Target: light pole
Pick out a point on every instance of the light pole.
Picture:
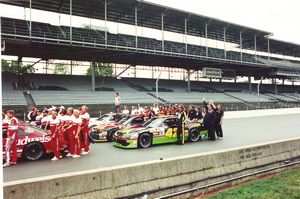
(258, 85)
(156, 85)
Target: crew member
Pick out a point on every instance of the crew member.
(54, 129)
(12, 139)
(68, 129)
(85, 116)
(38, 119)
(210, 120)
(191, 113)
(125, 111)
(76, 135)
(219, 120)
(181, 124)
(45, 119)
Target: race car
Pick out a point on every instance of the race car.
(106, 118)
(33, 143)
(160, 130)
(105, 132)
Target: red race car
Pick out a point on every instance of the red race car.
(33, 143)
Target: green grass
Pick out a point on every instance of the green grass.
(283, 186)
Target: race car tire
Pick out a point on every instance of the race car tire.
(33, 151)
(144, 140)
(194, 135)
(110, 136)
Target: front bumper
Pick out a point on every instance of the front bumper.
(125, 143)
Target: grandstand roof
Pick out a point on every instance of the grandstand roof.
(150, 14)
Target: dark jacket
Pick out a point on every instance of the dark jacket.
(210, 116)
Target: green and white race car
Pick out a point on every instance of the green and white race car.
(159, 130)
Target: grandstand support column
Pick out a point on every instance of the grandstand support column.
(206, 24)
(105, 21)
(135, 24)
(241, 45)
(93, 76)
(275, 84)
(71, 33)
(30, 22)
(255, 48)
(185, 35)
(250, 86)
(224, 34)
(268, 41)
(162, 32)
(189, 80)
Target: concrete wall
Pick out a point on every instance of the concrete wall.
(154, 175)
(258, 113)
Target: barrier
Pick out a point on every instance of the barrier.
(154, 177)
(263, 112)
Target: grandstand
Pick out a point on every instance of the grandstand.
(27, 38)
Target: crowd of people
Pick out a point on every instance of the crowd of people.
(210, 115)
(68, 125)
(72, 125)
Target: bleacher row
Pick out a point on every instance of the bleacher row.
(76, 90)
(43, 30)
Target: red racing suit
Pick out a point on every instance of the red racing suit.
(85, 131)
(75, 142)
(54, 128)
(11, 141)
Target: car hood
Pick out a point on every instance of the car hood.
(133, 130)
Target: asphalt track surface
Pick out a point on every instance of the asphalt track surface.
(237, 133)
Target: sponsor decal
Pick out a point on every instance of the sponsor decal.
(27, 139)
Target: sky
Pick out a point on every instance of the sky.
(281, 17)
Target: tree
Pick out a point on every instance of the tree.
(14, 67)
(60, 68)
(101, 69)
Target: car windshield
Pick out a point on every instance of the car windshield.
(149, 121)
(117, 118)
(156, 123)
(103, 117)
(126, 120)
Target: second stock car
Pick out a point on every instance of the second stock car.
(32, 142)
(105, 132)
(106, 118)
(160, 130)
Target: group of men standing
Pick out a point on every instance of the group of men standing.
(68, 128)
(70, 125)
(211, 116)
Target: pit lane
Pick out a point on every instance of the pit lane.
(238, 132)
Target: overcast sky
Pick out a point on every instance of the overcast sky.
(281, 17)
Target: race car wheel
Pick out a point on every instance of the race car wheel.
(33, 151)
(144, 140)
(194, 135)
(110, 136)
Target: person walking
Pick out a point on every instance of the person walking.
(117, 102)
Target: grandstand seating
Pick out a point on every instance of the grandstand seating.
(13, 98)
(66, 89)
(62, 33)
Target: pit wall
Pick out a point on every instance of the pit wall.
(154, 177)
(258, 113)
